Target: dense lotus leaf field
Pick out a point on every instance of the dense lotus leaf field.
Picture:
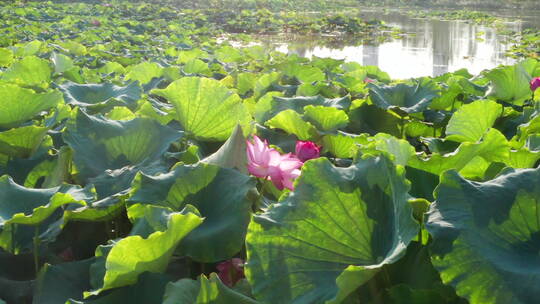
(143, 162)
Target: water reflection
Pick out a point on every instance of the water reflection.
(435, 47)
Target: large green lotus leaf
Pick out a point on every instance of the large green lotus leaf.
(263, 84)
(375, 72)
(146, 109)
(187, 55)
(264, 105)
(227, 81)
(353, 81)
(257, 52)
(326, 64)
(449, 98)
(112, 67)
(51, 173)
(22, 167)
(472, 121)
(26, 206)
(313, 89)
(133, 255)
(29, 71)
(528, 130)
(62, 63)
(400, 149)
(6, 57)
(148, 289)
(245, 82)
(486, 236)
(304, 73)
(35, 205)
(273, 107)
(404, 294)
(100, 144)
(181, 291)
(20, 104)
(94, 211)
(523, 158)
(511, 83)
(203, 291)
(74, 47)
(144, 72)
(342, 144)
(372, 71)
(16, 291)
(332, 234)
(285, 142)
(21, 142)
(195, 66)
(58, 283)
(415, 128)
(229, 54)
(218, 193)
(29, 49)
(232, 153)
(85, 95)
(206, 109)
(424, 183)
(292, 123)
(440, 145)
(38, 174)
(326, 118)
(120, 113)
(117, 181)
(371, 119)
(533, 142)
(478, 169)
(411, 98)
(458, 87)
(493, 147)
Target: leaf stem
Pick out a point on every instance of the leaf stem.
(202, 268)
(36, 249)
(261, 193)
(373, 290)
(420, 230)
(12, 245)
(386, 277)
(402, 129)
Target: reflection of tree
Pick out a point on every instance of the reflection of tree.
(441, 46)
(370, 55)
(302, 44)
(301, 50)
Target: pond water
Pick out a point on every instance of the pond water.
(430, 48)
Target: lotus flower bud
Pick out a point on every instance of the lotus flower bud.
(535, 83)
(306, 150)
(231, 271)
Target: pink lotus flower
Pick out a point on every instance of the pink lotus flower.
(231, 271)
(268, 163)
(95, 22)
(535, 83)
(306, 150)
(261, 157)
(284, 174)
